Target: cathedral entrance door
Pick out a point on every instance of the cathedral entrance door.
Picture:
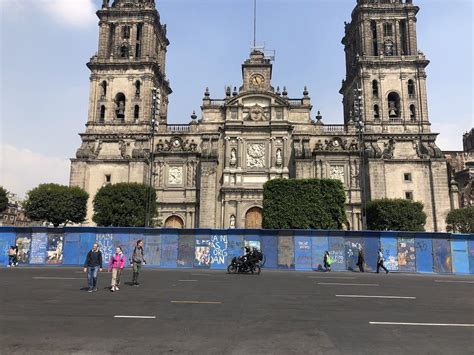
(174, 222)
(253, 218)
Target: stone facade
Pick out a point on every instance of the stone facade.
(210, 172)
(461, 172)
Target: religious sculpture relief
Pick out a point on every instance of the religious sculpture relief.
(388, 48)
(176, 144)
(389, 148)
(257, 113)
(139, 151)
(256, 155)
(175, 175)
(336, 144)
(124, 149)
(233, 157)
(336, 172)
(279, 159)
(232, 222)
(88, 150)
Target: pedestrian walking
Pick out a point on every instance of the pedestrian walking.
(380, 260)
(361, 260)
(327, 261)
(138, 258)
(92, 266)
(12, 256)
(116, 265)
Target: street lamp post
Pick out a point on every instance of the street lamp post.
(359, 122)
(154, 111)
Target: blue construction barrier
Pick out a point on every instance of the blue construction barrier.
(213, 249)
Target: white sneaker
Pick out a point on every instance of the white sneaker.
(116, 288)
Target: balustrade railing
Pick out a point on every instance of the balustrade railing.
(178, 128)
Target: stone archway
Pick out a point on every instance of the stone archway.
(253, 218)
(174, 222)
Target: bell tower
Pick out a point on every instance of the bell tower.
(382, 59)
(130, 61)
(128, 66)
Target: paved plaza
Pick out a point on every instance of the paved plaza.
(44, 311)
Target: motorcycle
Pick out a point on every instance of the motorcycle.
(239, 265)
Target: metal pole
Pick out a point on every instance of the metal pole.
(358, 109)
(255, 24)
(151, 158)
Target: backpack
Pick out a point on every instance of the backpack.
(329, 260)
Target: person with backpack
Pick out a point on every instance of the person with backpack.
(380, 260)
(327, 261)
(138, 258)
(92, 265)
(116, 265)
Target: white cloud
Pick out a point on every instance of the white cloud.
(71, 13)
(21, 169)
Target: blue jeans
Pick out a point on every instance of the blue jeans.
(92, 276)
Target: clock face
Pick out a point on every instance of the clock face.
(257, 80)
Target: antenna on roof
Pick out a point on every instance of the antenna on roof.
(254, 23)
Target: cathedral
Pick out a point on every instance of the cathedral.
(210, 173)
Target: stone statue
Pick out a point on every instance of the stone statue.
(388, 48)
(232, 222)
(120, 110)
(233, 157)
(279, 160)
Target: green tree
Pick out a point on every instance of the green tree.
(3, 199)
(461, 220)
(56, 204)
(395, 215)
(123, 205)
(304, 204)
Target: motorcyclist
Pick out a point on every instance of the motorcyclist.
(246, 258)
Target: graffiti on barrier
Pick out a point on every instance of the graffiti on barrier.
(219, 244)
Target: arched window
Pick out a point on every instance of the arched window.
(375, 88)
(120, 106)
(126, 32)
(373, 28)
(411, 88)
(136, 112)
(103, 89)
(376, 111)
(102, 114)
(138, 86)
(387, 29)
(393, 105)
(413, 112)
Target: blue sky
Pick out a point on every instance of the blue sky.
(45, 83)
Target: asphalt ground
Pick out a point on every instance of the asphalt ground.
(44, 311)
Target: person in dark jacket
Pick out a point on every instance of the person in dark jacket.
(92, 266)
(380, 261)
(138, 258)
(361, 260)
